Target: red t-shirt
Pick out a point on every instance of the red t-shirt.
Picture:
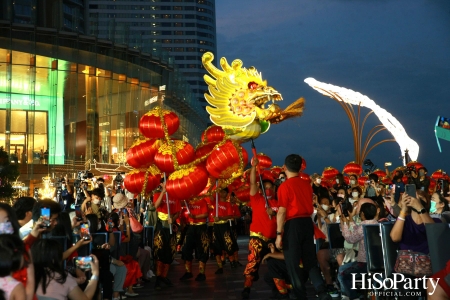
(183, 217)
(261, 223)
(199, 207)
(174, 205)
(295, 194)
(225, 209)
(236, 211)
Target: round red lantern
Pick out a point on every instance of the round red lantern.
(134, 180)
(204, 149)
(405, 179)
(184, 153)
(379, 173)
(226, 160)
(264, 161)
(439, 174)
(276, 171)
(303, 167)
(213, 134)
(329, 173)
(237, 183)
(267, 175)
(352, 168)
(186, 183)
(386, 180)
(362, 180)
(415, 164)
(304, 176)
(243, 193)
(432, 186)
(142, 153)
(150, 124)
(326, 183)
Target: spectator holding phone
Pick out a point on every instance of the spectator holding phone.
(52, 281)
(92, 202)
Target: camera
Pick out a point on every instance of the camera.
(410, 169)
(279, 181)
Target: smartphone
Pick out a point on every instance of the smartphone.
(388, 164)
(410, 190)
(78, 212)
(344, 209)
(83, 262)
(124, 211)
(84, 232)
(45, 214)
(110, 225)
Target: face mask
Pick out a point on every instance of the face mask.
(6, 228)
(337, 181)
(318, 180)
(341, 195)
(433, 207)
(355, 194)
(283, 179)
(421, 173)
(96, 201)
(325, 207)
(352, 201)
(269, 193)
(99, 226)
(352, 182)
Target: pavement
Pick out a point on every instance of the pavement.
(228, 285)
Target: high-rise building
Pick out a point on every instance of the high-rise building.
(185, 29)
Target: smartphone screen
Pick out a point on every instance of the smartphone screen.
(410, 190)
(83, 262)
(84, 232)
(45, 214)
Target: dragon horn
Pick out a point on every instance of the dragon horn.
(207, 59)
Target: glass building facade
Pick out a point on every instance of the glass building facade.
(66, 97)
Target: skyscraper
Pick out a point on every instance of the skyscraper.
(185, 29)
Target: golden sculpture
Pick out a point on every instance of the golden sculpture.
(238, 97)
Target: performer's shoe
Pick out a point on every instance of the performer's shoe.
(233, 264)
(201, 277)
(245, 293)
(166, 281)
(219, 271)
(186, 276)
(157, 283)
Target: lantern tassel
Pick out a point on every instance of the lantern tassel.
(260, 177)
(168, 206)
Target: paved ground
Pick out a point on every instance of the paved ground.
(226, 286)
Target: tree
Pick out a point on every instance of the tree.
(8, 174)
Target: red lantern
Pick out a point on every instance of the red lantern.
(352, 168)
(439, 174)
(213, 134)
(142, 153)
(432, 186)
(267, 175)
(326, 183)
(243, 193)
(237, 183)
(362, 180)
(303, 167)
(347, 180)
(184, 153)
(405, 179)
(204, 150)
(415, 164)
(224, 161)
(276, 171)
(329, 173)
(386, 180)
(150, 124)
(187, 183)
(379, 173)
(134, 180)
(304, 176)
(264, 161)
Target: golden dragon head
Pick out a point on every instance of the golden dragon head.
(238, 97)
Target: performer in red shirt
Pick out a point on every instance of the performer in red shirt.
(295, 231)
(262, 228)
(222, 235)
(164, 243)
(196, 238)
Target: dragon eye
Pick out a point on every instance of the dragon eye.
(252, 85)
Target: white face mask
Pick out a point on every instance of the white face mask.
(337, 181)
(341, 195)
(352, 182)
(355, 194)
(96, 201)
(325, 207)
(318, 180)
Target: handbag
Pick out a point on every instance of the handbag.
(135, 225)
(413, 263)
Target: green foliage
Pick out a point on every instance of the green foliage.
(8, 174)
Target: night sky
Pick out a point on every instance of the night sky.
(395, 52)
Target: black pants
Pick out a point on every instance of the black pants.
(298, 244)
(277, 269)
(196, 238)
(223, 239)
(164, 244)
